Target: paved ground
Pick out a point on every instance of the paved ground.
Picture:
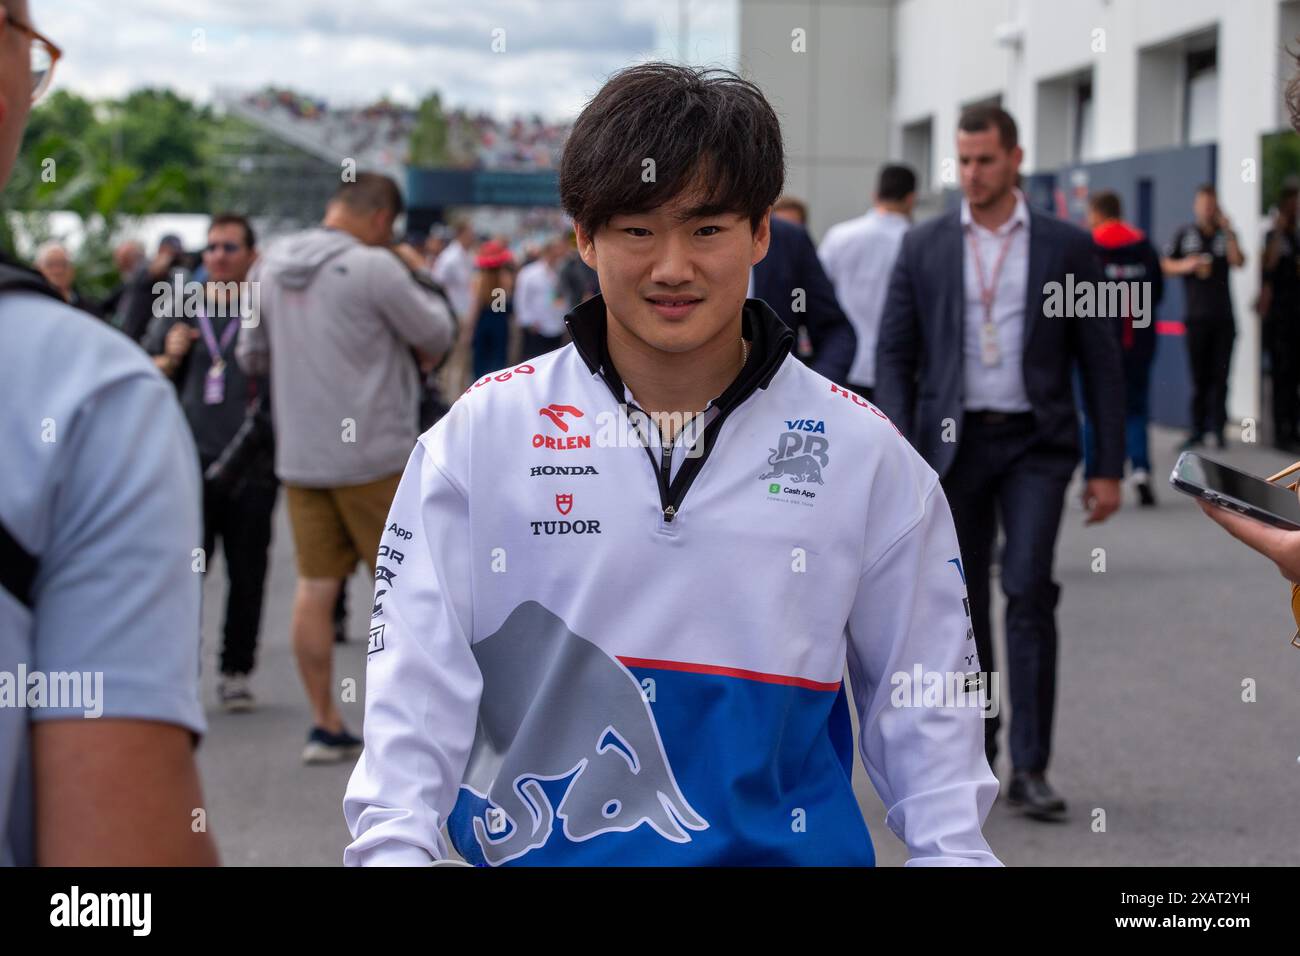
(1151, 726)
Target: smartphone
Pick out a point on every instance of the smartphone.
(1237, 491)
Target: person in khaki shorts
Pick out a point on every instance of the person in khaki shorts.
(334, 528)
(342, 326)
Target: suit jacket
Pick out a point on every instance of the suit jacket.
(919, 358)
(791, 263)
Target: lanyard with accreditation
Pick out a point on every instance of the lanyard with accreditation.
(214, 383)
(990, 354)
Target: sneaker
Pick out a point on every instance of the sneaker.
(325, 747)
(1193, 441)
(234, 694)
(1142, 482)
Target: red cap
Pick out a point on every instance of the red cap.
(493, 255)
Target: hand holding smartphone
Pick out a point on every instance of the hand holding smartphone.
(1249, 495)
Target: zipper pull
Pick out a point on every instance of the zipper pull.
(668, 514)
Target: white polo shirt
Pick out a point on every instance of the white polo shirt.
(858, 256)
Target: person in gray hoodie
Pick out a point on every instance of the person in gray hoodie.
(342, 327)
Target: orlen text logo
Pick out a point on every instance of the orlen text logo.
(559, 416)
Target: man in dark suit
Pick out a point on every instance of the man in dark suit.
(974, 365)
(792, 281)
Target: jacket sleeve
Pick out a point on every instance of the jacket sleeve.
(899, 344)
(833, 340)
(417, 315)
(927, 763)
(422, 681)
(1100, 360)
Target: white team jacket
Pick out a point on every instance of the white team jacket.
(576, 660)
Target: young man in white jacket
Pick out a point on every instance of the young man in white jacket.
(620, 583)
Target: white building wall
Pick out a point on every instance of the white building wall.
(947, 55)
(830, 86)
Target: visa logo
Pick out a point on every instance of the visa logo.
(806, 425)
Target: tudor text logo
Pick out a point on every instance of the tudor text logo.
(564, 505)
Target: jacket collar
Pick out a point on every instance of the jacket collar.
(770, 342)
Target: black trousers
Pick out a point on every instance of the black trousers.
(1209, 354)
(1283, 342)
(242, 520)
(1001, 471)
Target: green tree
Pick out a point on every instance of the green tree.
(147, 153)
(428, 144)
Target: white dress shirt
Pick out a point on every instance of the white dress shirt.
(999, 387)
(454, 271)
(858, 256)
(537, 307)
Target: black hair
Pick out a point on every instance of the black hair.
(658, 130)
(1106, 204)
(234, 219)
(976, 119)
(370, 192)
(895, 183)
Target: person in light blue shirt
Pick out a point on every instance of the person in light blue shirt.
(99, 602)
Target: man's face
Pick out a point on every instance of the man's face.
(227, 256)
(15, 87)
(674, 284)
(987, 169)
(126, 257)
(1205, 207)
(58, 269)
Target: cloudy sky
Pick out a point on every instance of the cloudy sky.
(556, 52)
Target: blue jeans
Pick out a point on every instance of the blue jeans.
(491, 336)
(1137, 380)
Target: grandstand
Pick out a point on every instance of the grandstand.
(377, 136)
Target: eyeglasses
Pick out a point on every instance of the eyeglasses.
(44, 54)
(229, 248)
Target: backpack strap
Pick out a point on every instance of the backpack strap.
(17, 564)
(17, 568)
